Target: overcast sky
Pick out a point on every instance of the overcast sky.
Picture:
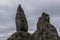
(33, 10)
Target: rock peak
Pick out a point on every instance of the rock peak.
(45, 30)
(19, 8)
(44, 14)
(21, 21)
(45, 17)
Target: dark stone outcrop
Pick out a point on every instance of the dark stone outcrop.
(21, 21)
(21, 26)
(45, 30)
(20, 36)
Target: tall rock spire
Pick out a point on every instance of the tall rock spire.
(21, 26)
(21, 21)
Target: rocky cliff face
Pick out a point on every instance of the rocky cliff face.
(45, 30)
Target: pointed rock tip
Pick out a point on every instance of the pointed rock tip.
(19, 7)
(46, 17)
(44, 14)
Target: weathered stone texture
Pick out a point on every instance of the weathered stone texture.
(21, 26)
(21, 21)
(45, 30)
(20, 36)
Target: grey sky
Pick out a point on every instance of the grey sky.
(33, 10)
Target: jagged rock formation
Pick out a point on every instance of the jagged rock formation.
(21, 21)
(45, 30)
(21, 26)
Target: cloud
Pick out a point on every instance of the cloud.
(7, 18)
(5, 36)
(56, 21)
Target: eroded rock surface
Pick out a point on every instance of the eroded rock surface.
(21, 26)
(45, 30)
(21, 21)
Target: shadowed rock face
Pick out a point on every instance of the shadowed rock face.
(21, 21)
(59, 38)
(45, 30)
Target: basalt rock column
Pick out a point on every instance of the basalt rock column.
(21, 21)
